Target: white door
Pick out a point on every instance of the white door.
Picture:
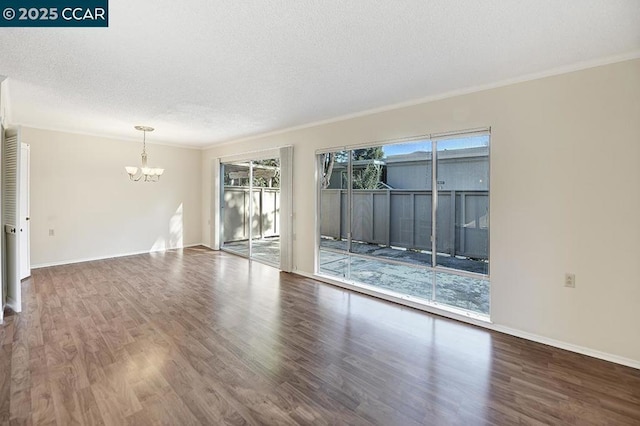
(25, 256)
(11, 151)
(3, 280)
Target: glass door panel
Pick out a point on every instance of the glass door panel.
(334, 213)
(462, 233)
(391, 218)
(236, 208)
(265, 243)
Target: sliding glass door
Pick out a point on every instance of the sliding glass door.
(250, 209)
(377, 210)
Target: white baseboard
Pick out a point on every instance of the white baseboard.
(110, 256)
(13, 305)
(480, 323)
(566, 346)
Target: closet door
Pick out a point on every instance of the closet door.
(11, 152)
(3, 281)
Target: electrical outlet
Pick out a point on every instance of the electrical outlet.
(570, 280)
(51, 232)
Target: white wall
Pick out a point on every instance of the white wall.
(4, 101)
(565, 196)
(79, 188)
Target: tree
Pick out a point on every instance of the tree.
(375, 153)
(362, 179)
(367, 178)
(272, 168)
(328, 161)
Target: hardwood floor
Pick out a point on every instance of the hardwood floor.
(199, 337)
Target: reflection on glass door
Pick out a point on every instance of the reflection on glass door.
(250, 209)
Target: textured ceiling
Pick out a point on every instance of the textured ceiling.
(208, 71)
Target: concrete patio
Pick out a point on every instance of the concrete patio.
(266, 250)
(409, 279)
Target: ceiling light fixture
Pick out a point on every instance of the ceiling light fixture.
(150, 174)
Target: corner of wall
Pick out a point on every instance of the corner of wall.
(4, 100)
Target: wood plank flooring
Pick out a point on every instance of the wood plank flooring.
(201, 337)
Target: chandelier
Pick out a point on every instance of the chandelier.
(150, 174)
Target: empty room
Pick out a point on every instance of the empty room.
(328, 213)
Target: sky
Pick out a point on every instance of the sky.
(409, 147)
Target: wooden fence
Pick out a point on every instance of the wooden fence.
(402, 218)
(266, 213)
